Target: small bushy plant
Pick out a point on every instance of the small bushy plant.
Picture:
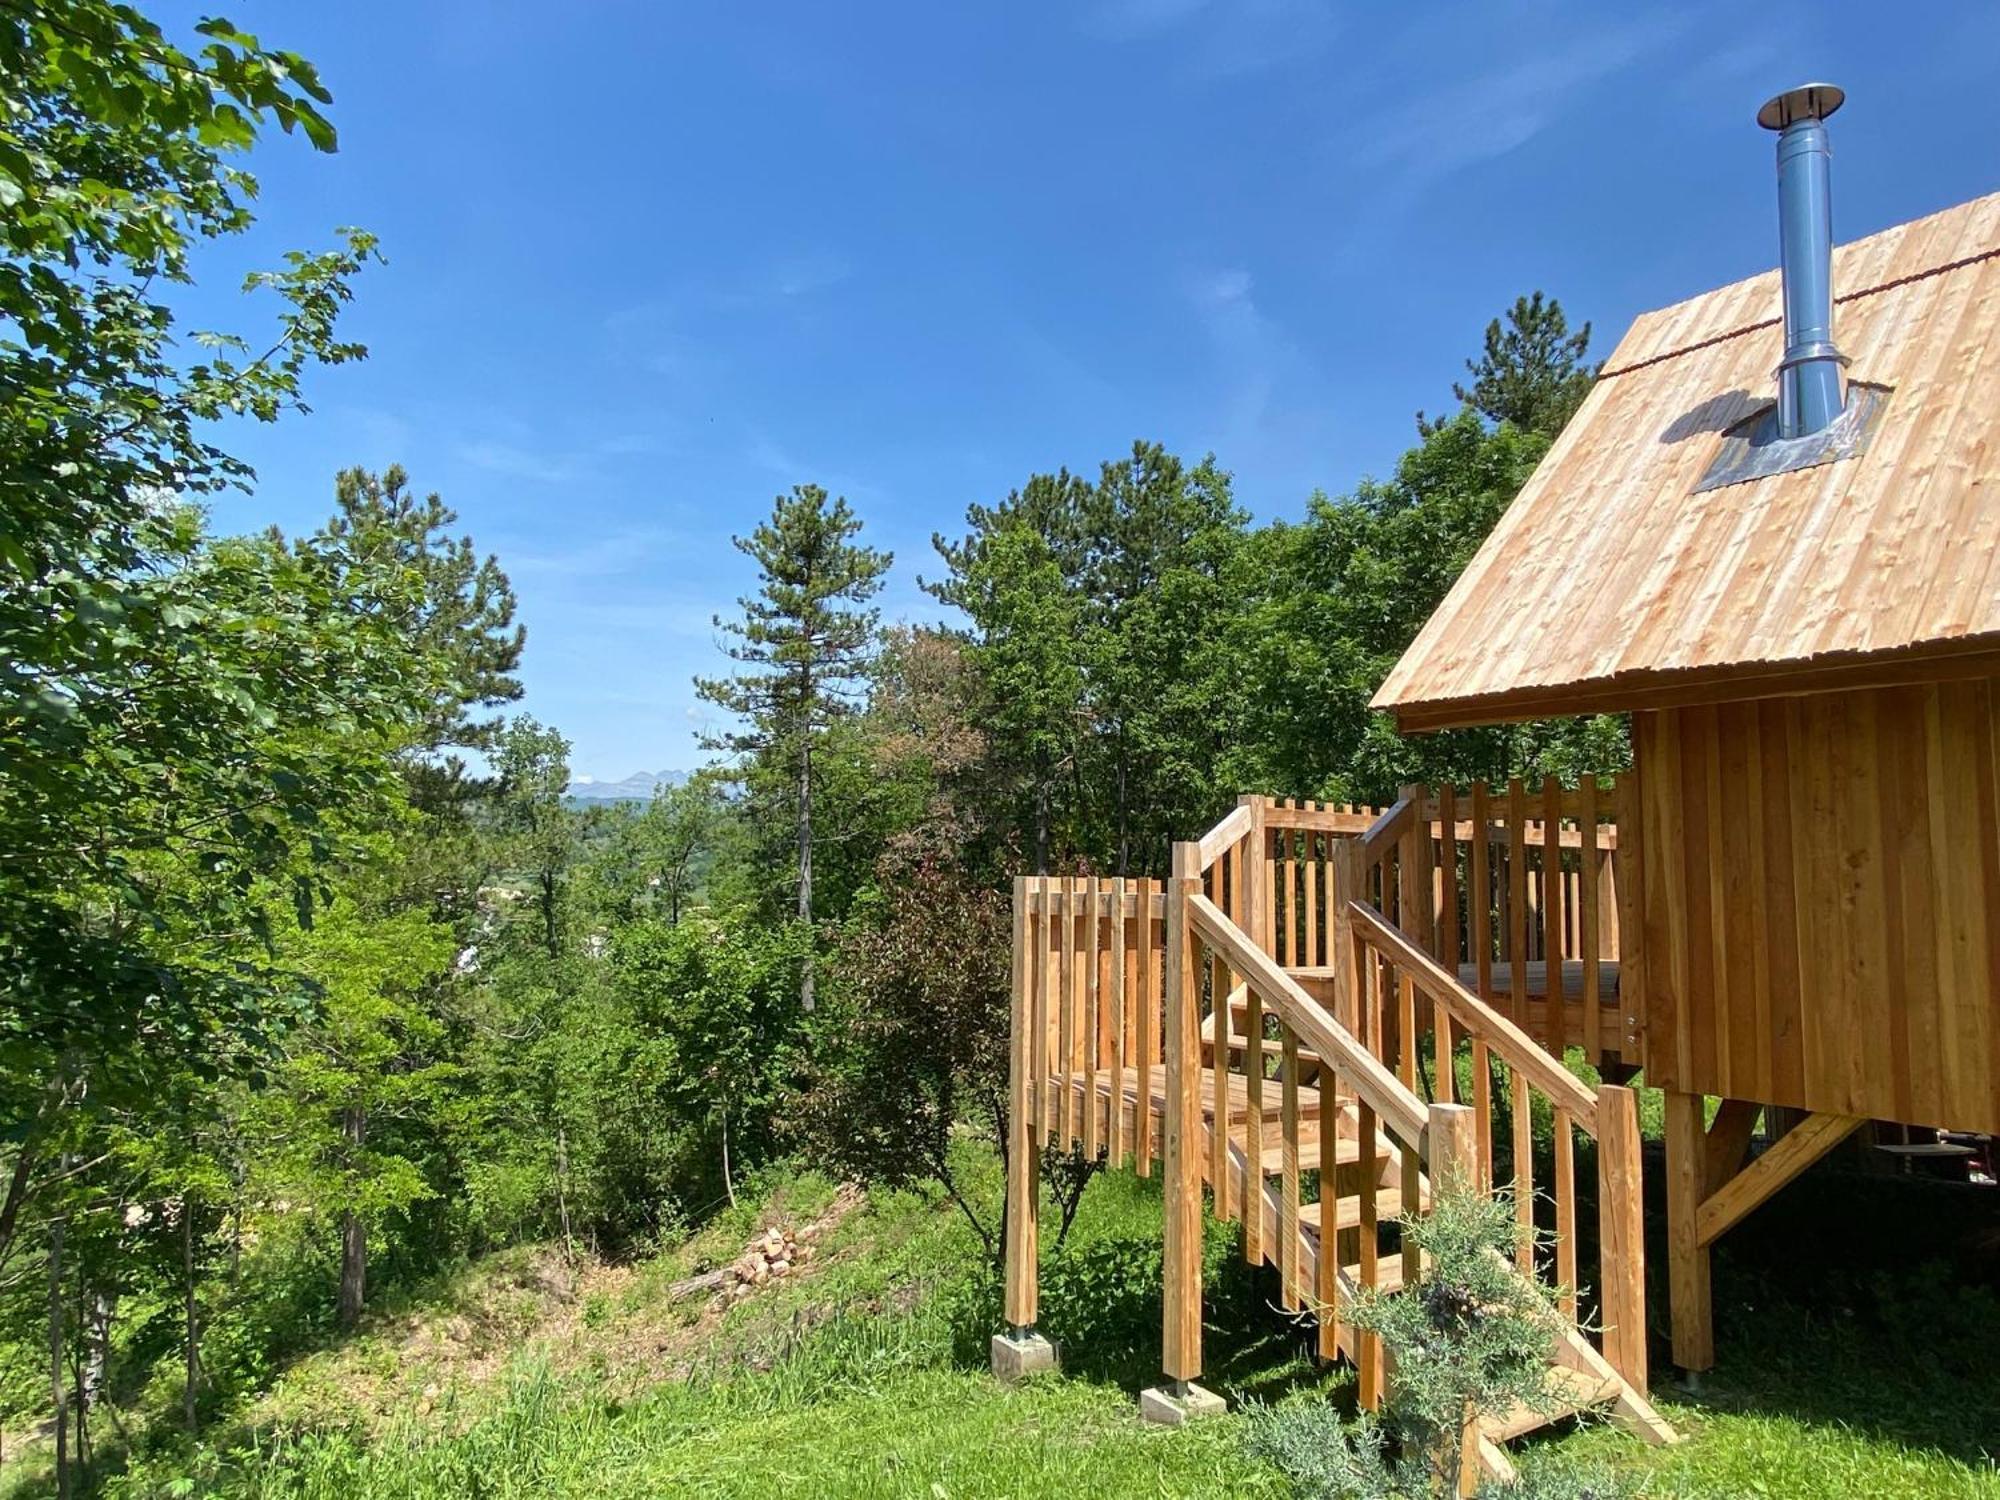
(1471, 1338)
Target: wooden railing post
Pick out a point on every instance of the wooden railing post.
(1181, 1303)
(1451, 1149)
(1621, 1234)
(1023, 1146)
(1347, 883)
(1261, 932)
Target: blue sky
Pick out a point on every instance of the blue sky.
(650, 264)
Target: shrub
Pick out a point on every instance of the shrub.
(1471, 1337)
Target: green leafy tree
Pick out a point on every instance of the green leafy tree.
(654, 858)
(1018, 575)
(806, 637)
(1162, 535)
(533, 762)
(180, 722)
(1095, 612)
(725, 999)
(373, 1060)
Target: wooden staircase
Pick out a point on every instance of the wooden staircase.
(1155, 1021)
(1579, 1379)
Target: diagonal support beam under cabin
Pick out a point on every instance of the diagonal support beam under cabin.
(1797, 1149)
(1728, 1141)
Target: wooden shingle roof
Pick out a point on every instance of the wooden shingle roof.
(1609, 584)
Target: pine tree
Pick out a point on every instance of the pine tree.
(1534, 372)
(463, 618)
(807, 638)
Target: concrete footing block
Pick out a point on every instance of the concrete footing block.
(1016, 1356)
(1167, 1406)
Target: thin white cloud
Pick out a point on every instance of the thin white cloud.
(805, 274)
(1462, 122)
(1268, 386)
(765, 452)
(1121, 20)
(621, 552)
(516, 462)
(1224, 36)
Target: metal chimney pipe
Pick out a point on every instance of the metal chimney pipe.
(1809, 381)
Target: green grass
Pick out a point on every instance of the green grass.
(867, 1378)
(923, 1431)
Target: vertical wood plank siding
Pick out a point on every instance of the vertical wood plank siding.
(1820, 875)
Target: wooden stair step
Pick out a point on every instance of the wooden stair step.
(1346, 1151)
(1273, 1100)
(1273, 1049)
(1388, 1272)
(1347, 1215)
(1570, 1392)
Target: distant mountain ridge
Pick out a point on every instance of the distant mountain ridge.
(640, 786)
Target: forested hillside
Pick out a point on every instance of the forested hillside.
(317, 984)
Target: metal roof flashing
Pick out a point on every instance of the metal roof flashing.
(1752, 448)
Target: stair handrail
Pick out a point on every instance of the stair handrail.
(1384, 832)
(1476, 1017)
(1608, 1115)
(1242, 819)
(1397, 1107)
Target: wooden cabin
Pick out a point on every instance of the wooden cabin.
(1809, 649)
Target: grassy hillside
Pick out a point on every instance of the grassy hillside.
(862, 1374)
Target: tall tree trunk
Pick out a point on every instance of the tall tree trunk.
(97, 1360)
(806, 861)
(79, 1403)
(1041, 818)
(728, 1185)
(237, 1174)
(562, 1192)
(353, 1234)
(551, 939)
(58, 1387)
(1124, 809)
(190, 1319)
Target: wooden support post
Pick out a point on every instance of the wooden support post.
(1120, 965)
(1024, 1155)
(1517, 904)
(1687, 1257)
(1219, 979)
(1448, 921)
(1147, 1033)
(1621, 1234)
(1090, 1015)
(1450, 1147)
(1588, 941)
(1181, 1303)
(1556, 1038)
(1289, 1282)
(1327, 1289)
(1259, 928)
(1728, 1142)
(1066, 967)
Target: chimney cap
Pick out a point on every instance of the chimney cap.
(1809, 101)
